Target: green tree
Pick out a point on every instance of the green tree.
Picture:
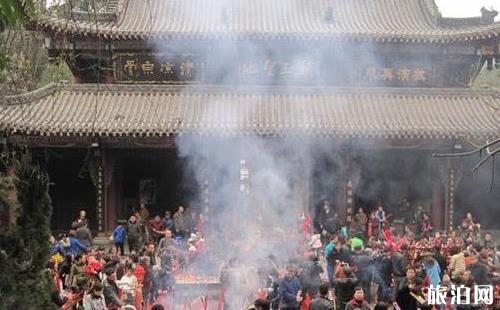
(12, 13)
(25, 63)
(24, 247)
(488, 78)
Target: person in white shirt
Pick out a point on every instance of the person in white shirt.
(95, 299)
(128, 285)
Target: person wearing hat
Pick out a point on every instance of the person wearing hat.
(356, 242)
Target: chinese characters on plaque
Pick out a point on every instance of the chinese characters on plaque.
(305, 69)
(397, 75)
(162, 68)
(131, 67)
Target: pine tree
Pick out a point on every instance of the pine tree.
(24, 247)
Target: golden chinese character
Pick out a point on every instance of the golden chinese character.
(404, 74)
(130, 66)
(387, 74)
(371, 73)
(249, 68)
(270, 68)
(187, 68)
(167, 68)
(419, 75)
(285, 69)
(148, 67)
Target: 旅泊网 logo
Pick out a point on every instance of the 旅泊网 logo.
(460, 295)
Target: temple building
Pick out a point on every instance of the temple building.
(383, 84)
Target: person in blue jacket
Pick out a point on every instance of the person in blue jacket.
(119, 239)
(290, 290)
(56, 251)
(75, 246)
(432, 269)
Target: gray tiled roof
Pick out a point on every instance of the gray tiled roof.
(149, 110)
(365, 20)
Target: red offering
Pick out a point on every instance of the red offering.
(306, 303)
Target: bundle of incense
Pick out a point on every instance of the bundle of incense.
(417, 298)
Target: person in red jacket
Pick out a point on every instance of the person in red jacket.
(358, 302)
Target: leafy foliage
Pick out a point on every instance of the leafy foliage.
(488, 79)
(55, 71)
(24, 248)
(13, 12)
(6, 187)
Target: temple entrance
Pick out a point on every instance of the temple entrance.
(151, 177)
(400, 180)
(473, 194)
(72, 189)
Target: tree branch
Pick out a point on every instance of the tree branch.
(477, 150)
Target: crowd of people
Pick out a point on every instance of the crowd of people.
(369, 263)
(98, 277)
(361, 263)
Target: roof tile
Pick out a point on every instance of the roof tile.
(378, 20)
(168, 110)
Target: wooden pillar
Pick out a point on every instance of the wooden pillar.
(306, 193)
(111, 191)
(346, 187)
(100, 190)
(450, 200)
(105, 193)
(437, 206)
(340, 198)
(349, 202)
(301, 190)
(304, 185)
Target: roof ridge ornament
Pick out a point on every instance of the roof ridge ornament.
(488, 16)
(432, 9)
(96, 11)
